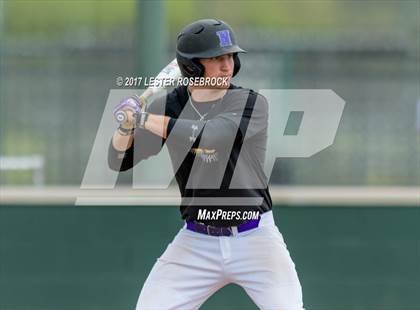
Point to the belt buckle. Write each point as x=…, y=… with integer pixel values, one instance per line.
x=229, y=231
x=213, y=231
x=216, y=231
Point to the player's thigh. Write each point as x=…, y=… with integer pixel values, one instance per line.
x=281, y=297
x=162, y=290
x=172, y=285
x=183, y=277
x=267, y=272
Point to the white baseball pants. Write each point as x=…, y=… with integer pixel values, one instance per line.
x=194, y=266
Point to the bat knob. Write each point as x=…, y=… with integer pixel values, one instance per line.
x=120, y=116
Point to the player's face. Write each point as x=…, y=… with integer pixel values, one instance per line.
x=221, y=66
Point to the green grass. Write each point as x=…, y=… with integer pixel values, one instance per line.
x=23, y=17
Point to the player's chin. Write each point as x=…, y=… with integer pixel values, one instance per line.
x=225, y=82
x=224, y=85
x=219, y=82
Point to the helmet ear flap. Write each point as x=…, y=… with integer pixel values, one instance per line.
x=199, y=68
x=190, y=67
x=236, y=64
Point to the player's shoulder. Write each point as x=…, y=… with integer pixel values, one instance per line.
x=178, y=95
x=239, y=95
x=177, y=98
x=234, y=89
x=171, y=103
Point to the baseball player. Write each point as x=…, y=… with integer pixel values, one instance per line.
x=216, y=136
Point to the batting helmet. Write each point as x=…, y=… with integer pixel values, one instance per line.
x=205, y=38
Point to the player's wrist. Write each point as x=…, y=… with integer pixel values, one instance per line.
x=142, y=118
x=125, y=131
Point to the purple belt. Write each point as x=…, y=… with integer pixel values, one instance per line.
x=221, y=231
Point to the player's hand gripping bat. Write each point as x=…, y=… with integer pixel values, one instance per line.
x=138, y=104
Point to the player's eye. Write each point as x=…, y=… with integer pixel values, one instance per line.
x=226, y=56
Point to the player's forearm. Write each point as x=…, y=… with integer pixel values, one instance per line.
x=122, y=142
x=157, y=124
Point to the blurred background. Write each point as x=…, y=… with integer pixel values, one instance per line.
x=59, y=59
x=58, y=62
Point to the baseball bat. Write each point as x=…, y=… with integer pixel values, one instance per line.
x=169, y=73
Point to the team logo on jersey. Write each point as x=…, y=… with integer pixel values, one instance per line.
x=194, y=133
x=224, y=38
x=206, y=155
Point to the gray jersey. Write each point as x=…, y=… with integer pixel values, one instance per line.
x=217, y=151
